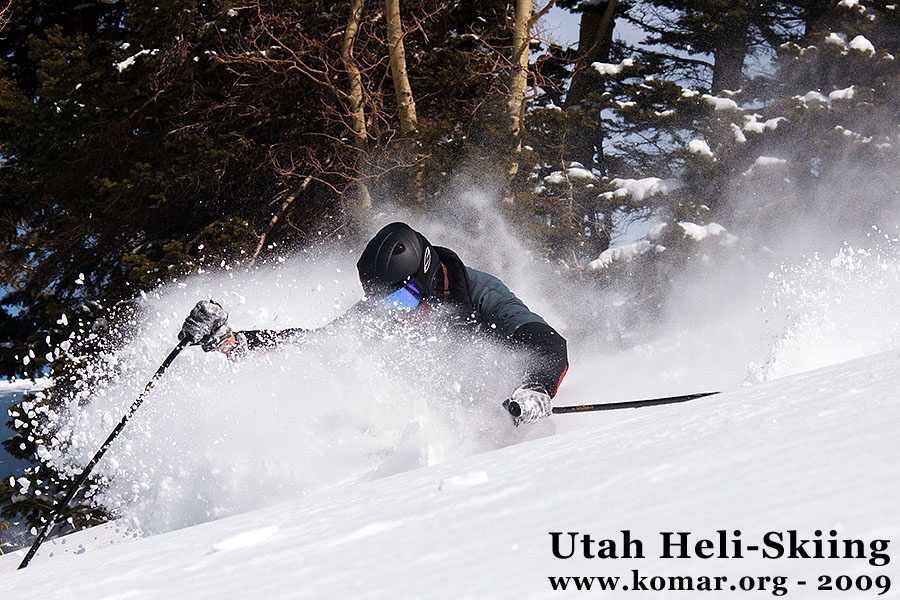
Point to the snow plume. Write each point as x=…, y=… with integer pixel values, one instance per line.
x=828, y=310
x=217, y=437
x=734, y=321
x=807, y=281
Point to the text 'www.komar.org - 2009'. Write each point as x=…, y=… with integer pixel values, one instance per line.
x=724, y=544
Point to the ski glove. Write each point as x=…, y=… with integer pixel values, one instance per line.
x=529, y=403
x=207, y=325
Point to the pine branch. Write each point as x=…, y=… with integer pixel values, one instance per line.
x=678, y=59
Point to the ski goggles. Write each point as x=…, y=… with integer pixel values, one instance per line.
x=405, y=299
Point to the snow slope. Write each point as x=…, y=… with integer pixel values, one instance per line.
x=816, y=450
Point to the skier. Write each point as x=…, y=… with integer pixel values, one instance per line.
x=403, y=274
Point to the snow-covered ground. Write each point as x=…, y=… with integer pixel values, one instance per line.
x=814, y=451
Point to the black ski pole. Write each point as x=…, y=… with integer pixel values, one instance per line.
x=561, y=410
x=82, y=477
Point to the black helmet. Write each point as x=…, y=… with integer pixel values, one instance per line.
x=397, y=254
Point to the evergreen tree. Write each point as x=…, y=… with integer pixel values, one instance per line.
x=812, y=135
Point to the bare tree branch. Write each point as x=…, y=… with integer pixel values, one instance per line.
x=5, y=15
x=537, y=16
x=276, y=216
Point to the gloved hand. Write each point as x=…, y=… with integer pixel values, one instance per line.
x=207, y=325
x=529, y=403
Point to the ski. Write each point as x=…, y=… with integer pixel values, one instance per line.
x=562, y=410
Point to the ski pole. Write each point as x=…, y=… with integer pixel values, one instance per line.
x=561, y=410
x=82, y=477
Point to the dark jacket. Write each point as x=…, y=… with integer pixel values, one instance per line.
x=481, y=300
x=498, y=312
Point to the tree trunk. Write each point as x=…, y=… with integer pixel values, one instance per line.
x=406, y=106
x=355, y=101
x=355, y=96
x=518, y=86
x=730, y=54
x=595, y=36
x=594, y=45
